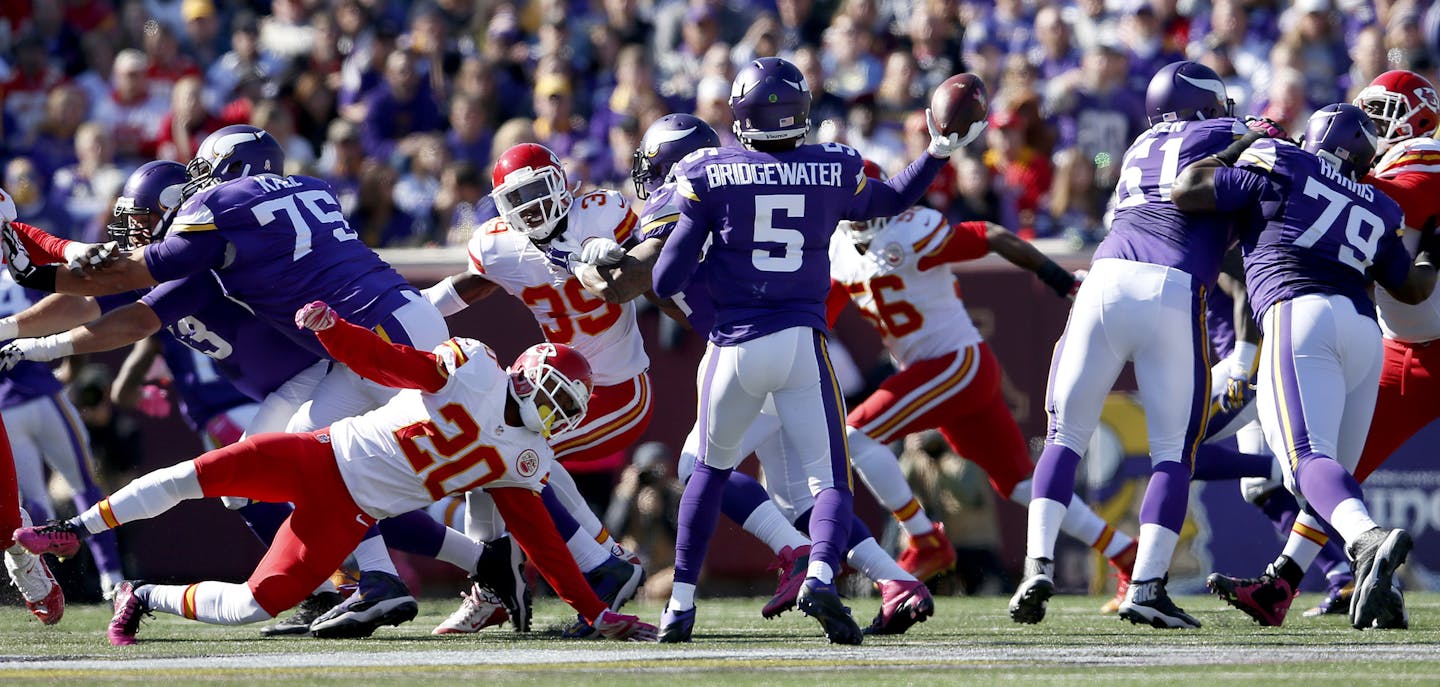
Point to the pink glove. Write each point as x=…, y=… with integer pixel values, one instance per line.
x=612, y=625
x=154, y=401
x=1265, y=126
x=315, y=316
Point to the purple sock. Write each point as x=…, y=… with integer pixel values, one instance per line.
x=1054, y=476
x=743, y=494
x=1325, y=484
x=1167, y=496
x=1214, y=462
x=858, y=531
x=1282, y=509
x=699, y=513
x=264, y=519
x=830, y=526
x=414, y=532
x=565, y=523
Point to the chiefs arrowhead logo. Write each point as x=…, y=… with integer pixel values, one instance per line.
x=528, y=463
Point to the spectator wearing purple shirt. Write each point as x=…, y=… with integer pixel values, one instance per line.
x=470, y=132
x=53, y=146
x=556, y=124
x=1142, y=35
x=341, y=162
x=397, y=109
x=1098, y=120
x=26, y=186
x=1319, y=43
x=1053, y=52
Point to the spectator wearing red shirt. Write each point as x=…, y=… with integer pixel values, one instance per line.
x=1022, y=172
x=131, y=115
x=30, y=81
x=187, y=124
x=167, y=64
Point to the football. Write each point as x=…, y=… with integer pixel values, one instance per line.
x=959, y=102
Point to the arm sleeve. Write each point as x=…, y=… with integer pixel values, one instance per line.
x=181, y=255
x=395, y=365
x=900, y=192
x=965, y=241
x=835, y=302
x=44, y=247
x=535, y=532
x=1392, y=262
x=681, y=253
x=1237, y=189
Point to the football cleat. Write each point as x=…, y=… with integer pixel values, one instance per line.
x=380, y=599
x=1376, y=555
x=928, y=555
x=479, y=610
x=56, y=537
x=38, y=589
x=625, y=628
x=501, y=571
x=1149, y=604
x=790, y=565
x=1124, y=564
x=615, y=582
x=902, y=604
x=1031, y=597
x=313, y=607
x=129, y=609
x=1338, y=592
x=676, y=626
x=1266, y=598
x=821, y=602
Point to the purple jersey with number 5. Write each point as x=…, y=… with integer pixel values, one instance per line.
x=767, y=218
x=277, y=243
x=1306, y=228
x=1146, y=226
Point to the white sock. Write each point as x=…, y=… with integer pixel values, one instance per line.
x=769, y=525
x=482, y=519
x=820, y=571
x=588, y=553
x=1307, y=537
x=217, y=603
x=1157, y=547
x=19, y=562
x=1083, y=524
x=372, y=556
x=569, y=495
x=917, y=524
x=879, y=470
x=1351, y=519
x=146, y=497
x=874, y=563
x=459, y=550
x=682, y=597
x=1044, y=527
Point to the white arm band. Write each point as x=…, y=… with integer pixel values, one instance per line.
x=445, y=298
x=47, y=348
x=9, y=328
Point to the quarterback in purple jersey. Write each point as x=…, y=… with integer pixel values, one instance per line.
x=1143, y=301
x=766, y=213
x=1315, y=238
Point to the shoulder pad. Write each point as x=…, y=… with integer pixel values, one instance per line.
x=1411, y=155
x=918, y=229
x=455, y=353
x=603, y=214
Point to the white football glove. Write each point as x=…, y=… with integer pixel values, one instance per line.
x=612, y=625
x=43, y=349
x=79, y=256
x=7, y=208
x=315, y=316
x=1230, y=385
x=601, y=251
x=943, y=146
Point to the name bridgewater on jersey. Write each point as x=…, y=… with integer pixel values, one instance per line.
x=774, y=174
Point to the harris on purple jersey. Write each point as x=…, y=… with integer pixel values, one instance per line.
x=1306, y=228
x=767, y=218
x=277, y=243
x=1147, y=227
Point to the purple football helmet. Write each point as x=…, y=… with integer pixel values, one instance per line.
x=1186, y=90
x=151, y=191
x=669, y=139
x=235, y=151
x=770, y=101
x=1344, y=136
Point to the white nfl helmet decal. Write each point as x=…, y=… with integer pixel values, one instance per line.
x=171, y=196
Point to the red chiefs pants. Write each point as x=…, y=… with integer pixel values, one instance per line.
x=958, y=394
x=9, y=492
x=325, y=526
x=614, y=420
x=1409, y=399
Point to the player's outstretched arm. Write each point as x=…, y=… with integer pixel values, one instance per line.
x=1025, y=255
x=1419, y=281
x=128, y=273
x=456, y=292
x=394, y=365
x=901, y=191
x=535, y=532
x=117, y=328
x=54, y=313
x=626, y=281
x=679, y=257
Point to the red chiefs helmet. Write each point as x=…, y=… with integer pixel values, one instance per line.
x=530, y=190
x=552, y=384
x=863, y=232
x=1402, y=104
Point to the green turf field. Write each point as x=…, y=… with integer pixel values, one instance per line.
x=970, y=641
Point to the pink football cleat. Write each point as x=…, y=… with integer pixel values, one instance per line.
x=55, y=537
x=791, y=564
x=128, y=611
x=902, y=604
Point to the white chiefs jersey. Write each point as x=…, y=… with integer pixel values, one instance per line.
x=605, y=333
x=1420, y=322
x=419, y=447
x=919, y=312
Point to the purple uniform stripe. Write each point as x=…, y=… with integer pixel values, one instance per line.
x=707, y=378
x=1200, y=393
x=1287, y=395
x=78, y=447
